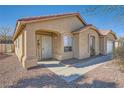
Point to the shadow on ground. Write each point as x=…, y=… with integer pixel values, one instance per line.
x=88, y=61
x=3, y=56
x=39, y=66
x=41, y=81
x=54, y=65
x=78, y=63
x=97, y=84
x=54, y=81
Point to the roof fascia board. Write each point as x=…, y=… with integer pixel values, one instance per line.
x=21, y=22
x=92, y=27
x=59, y=17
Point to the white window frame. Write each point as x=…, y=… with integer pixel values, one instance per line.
x=68, y=44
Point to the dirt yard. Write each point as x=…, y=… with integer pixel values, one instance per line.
x=13, y=75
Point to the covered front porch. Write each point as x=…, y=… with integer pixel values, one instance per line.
x=49, y=45
x=49, y=39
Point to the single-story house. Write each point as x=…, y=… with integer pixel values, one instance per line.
x=119, y=42
x=61, y=37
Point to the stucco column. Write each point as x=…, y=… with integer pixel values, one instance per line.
x=76, y=46
x=105, y=45
x=59, y=43
x=102, y=45
x=29, y=59
x=62, y=45
x=57, y=46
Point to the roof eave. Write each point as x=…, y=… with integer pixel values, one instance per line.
x=20, y=22
x=83, y=29
x=19, y=26
x=48, y=18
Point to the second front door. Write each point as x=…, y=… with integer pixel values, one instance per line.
x=46, y=47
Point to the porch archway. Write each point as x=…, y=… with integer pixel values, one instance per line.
x=48, y=44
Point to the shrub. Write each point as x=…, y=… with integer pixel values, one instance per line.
x=118, y=54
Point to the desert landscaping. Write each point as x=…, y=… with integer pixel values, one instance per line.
x=12, y=74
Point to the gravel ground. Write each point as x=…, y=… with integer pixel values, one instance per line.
x=13, y=75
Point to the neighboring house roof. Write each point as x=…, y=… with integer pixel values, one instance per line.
x=100, y=32
x=85, y=28
x=106, y=32
x=21, y=22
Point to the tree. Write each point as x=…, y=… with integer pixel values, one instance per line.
x=5, y=35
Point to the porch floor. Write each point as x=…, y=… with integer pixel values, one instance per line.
x=71, y=69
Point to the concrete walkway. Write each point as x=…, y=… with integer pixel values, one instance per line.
x=73, y=71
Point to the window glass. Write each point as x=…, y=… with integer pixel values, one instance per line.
x=67, y=43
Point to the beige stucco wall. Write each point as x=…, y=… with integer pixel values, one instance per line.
x=57, y=46
x=102, y=45
x=76, y=46
x=30, y=57
x=103, y=42
x=56, y=43
x=18, y=47
x=111, y=37
x=61, y=25
x=27, y=52
x=84, y=50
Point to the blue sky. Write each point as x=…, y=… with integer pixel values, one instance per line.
x=99, y=18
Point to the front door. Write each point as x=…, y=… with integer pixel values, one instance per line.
x=92, y=46
x=46, y=47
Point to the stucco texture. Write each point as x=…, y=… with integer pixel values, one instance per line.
x=84, y=40
x=28, y=52
x=103, y=42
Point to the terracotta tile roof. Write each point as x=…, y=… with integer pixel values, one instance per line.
x=28, y=19
x=104, y=32
x=49, y=16
x=83, y=28
x=86, y=27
